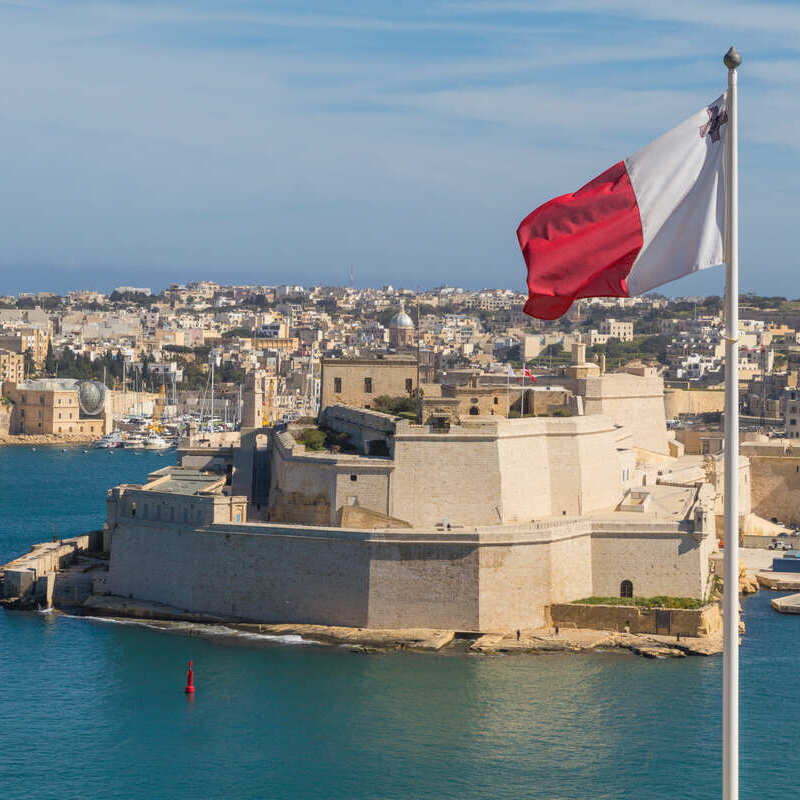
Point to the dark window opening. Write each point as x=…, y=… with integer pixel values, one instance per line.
x=337, y=385
x=354, y=477
x=409, y=385
x=626, y=589
x=368, y=385
x=474, y=411
x=495, y=401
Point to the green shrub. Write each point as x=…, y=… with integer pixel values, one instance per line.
x=394, y=405
x=659, y=601
x=313, y=439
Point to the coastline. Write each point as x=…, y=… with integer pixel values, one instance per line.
x=540, y=641
x=23, y=439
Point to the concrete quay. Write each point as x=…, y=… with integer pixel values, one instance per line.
x=787, y=605
x=51, y=572
x=779, y=581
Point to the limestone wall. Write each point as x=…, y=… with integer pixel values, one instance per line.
x=360, y=381
x=309, y=488
x=344, y=577
x=489, y=471
x=630, y=400
x=775, y=486
x=701, y=401
x=435, y=582
x=653, y=557
x=518, y=582
x=449, y=477
x=501, y=578
x=682, y=621
x=243, y=574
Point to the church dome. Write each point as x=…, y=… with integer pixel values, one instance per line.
x=401, y=320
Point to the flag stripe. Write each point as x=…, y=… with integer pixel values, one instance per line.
x=650, y=219
x=581, y=244
x=679, y=186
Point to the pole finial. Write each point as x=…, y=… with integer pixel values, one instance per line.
x=732, y=59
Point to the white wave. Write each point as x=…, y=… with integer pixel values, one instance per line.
x=200, y=629
x=287, y=638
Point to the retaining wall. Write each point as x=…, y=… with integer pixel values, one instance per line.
x=682, y=621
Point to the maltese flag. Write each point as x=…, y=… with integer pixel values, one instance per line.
x=650, y=219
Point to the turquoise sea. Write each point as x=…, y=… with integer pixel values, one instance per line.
x=92, y=709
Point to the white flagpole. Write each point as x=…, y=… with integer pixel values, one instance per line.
x=730, y=679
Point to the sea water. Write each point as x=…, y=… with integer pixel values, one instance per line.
x=95, y=709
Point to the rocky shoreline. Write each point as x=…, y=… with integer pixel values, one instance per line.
x=31, y=439
x=367, y=640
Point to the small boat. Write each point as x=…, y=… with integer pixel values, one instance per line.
x=109, y=441
x=155, y=442
x=150, y=442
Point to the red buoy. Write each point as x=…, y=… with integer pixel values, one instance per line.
x=189, y=680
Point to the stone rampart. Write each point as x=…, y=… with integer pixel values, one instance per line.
x=634, y=619
x=694, y=401
x=775, y=481
x=631, y=400
x=493, y=578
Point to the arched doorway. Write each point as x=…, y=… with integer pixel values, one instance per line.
x=626, y=589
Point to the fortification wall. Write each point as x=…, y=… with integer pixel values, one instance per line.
x=477, y=581
x=526, y=469
x=701, y=401
x=435, y=584
x=309, y=489
x=630, y=400
x=450, y=477
x=518, y=582
x=652, y=557
x=681, y=621
x=775, y=486
x=247, y=575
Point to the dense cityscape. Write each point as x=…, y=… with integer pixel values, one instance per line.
x=138, y=340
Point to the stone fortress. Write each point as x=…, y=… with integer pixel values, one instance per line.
x=470, y=522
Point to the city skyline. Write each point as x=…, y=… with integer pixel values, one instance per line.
x=149, y=144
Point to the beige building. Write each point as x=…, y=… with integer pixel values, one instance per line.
x=615, y=329
x=480, y=397
x=12, y=366
x=26, y=340
x=52, y=406
x=357, y=382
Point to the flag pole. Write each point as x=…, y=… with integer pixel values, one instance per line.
x=730, y=603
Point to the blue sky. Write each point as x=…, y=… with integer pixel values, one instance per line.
x=146, y=143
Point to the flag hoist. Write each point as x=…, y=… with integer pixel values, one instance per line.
x=668, y=210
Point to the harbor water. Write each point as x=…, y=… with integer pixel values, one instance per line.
x=95, y=709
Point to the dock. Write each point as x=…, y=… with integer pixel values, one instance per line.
x=779, y=581
x=787, y=605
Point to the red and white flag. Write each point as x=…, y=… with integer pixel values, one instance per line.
x=650, y=219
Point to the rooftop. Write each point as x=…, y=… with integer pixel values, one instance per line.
x=182, y=480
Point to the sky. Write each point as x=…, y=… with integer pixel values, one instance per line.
x=144, y=143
